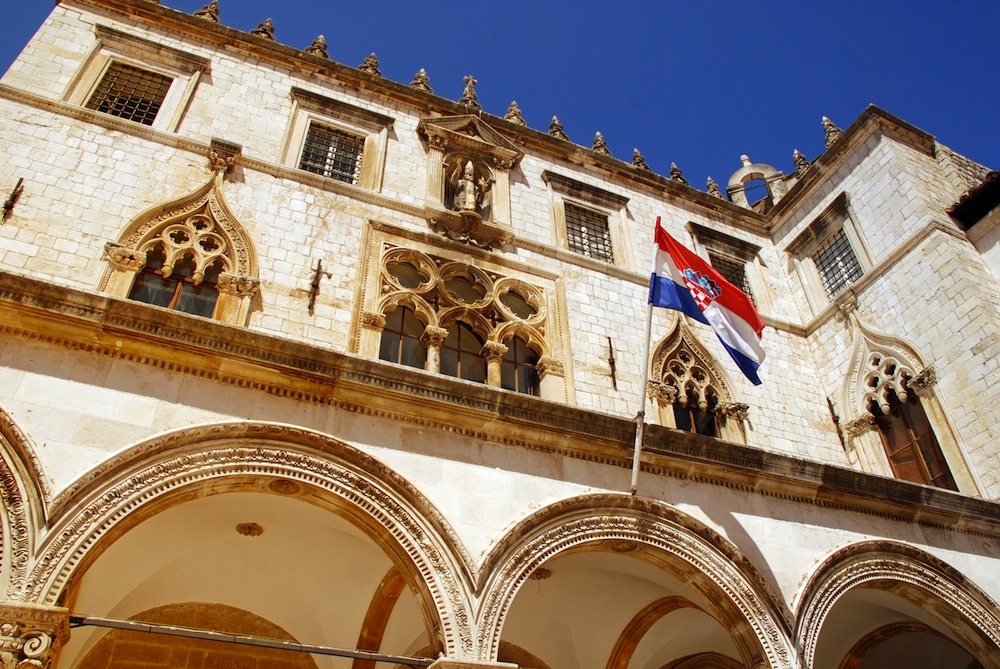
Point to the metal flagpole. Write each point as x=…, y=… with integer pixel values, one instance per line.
x=640, y=417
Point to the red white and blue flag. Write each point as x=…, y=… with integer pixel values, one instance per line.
x=684, y=281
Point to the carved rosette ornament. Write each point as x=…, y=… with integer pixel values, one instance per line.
x=373, y=321
x=833, y=133
x=370, y=65
x=859, y=426
x=124, y=259
x=318, y=48
x=556, y=129
x=30, y=635
x=513, y=115
x=422, y=82
x=209, y=12
x=922, y=383
x=240, y=286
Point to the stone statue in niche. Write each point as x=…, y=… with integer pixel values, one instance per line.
x=469, y=191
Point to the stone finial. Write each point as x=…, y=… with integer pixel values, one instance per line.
x=421, y=81
x=469, y=97
x=833, y=133
x=209, y=12
x=556, y=129
x=639, y=161
x=713, y=189
x=318, y=48
x=370, y=65
x=600, y=146
x=264, y=29
x=801, y=163
x=677, y=175
x=514, y=114
x=745, y=159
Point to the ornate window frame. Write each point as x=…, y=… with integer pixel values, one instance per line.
x=865, y=383
x=237, y=285
x=115, y=46
x=373, y=128
x=837, y=217
x=563, y=191
x=703, y=376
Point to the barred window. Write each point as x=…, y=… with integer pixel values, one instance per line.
x=734, y=271
x=332, y=153
x=130, y=93
x=587, y=233
x=837, y=263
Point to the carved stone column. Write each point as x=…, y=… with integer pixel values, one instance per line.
x=125, y=264
x=494, y=352
x=433, y=337
x=235, y=293
x=552, y=378
x=435, y=170
x=30, y=635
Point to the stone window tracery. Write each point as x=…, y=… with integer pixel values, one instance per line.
x=459, y=320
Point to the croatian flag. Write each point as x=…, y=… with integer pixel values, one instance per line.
x=684, y=281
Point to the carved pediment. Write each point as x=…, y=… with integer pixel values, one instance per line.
x=470, y=134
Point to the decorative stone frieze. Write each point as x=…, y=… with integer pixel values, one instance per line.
x=124, y=259
x=31, y=635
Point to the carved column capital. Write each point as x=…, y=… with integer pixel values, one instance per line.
x=549, y=365
x=734, y=410
x=859, y=426
x=494, y=351
x=123, y=258
x=223, y=155
x=373, y=321
x=434, y=336
x=30, y=635
x=922, y=383
x=240, y=286
x=661, y=392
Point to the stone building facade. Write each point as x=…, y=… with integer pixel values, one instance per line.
x=312, y=360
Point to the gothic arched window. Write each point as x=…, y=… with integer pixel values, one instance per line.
x=518, y=371
x=185, y=286
x=461, y=354
x=401, y=339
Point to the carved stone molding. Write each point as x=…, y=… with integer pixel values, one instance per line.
x=880, y=365
x=224, y=155
x=434, y=336
x=494, y=351
x=743, y=601
x=472, y=135
x=240, y=286
x=31, y=635
x=734, y=410
x=909, y=573
x=549, y=365
x=664, y=394
x=468, y=227
x=373, y=321
x=922, y=383
x=218, y=454
x=123, y=258
x=859, y=426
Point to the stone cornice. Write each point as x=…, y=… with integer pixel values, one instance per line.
x=103, y=325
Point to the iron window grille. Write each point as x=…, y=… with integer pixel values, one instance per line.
x=587, y=233
x=837, y=263
x=733, y=271
x=130, y=93
x=332, y=153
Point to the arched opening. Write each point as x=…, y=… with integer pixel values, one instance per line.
x=401, y=335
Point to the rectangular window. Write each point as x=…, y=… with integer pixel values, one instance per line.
x=837, y=263
x=734, y=271
x=332, y=153
x=130, y=93
x=587, y=232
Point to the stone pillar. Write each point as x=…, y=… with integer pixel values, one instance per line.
x=494, y=352
x=435, y=170
x=235, y=293
x=372, y=325
x=551, y=378
x=433, y=338
x=448, y=663
x=31, y=635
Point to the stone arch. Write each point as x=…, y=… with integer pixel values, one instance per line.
x=741, y=595
x=24, y=494
x=424, y=311
x=903, y=570
x=529, y=334
x=98, y=507
x=755, y=172
x=213, y=235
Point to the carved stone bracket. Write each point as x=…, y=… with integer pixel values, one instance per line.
x=735, y=410
x=922, y=383
x=469, y=228
x=373, y=321
x=663, y=393
x=224, y=155
x=549, y=365
x=240, y=286
x=30, y=635
x=859, y=426
x=124, y=259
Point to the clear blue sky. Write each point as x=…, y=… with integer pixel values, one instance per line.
x=697, y=83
